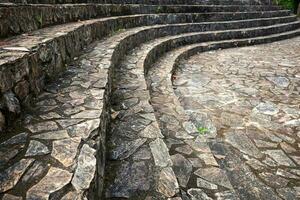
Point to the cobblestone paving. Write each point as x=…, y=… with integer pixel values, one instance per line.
x=58, y=139
x=248, y=99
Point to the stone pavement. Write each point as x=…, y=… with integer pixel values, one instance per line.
x=248, y=100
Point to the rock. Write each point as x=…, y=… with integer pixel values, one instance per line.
x=196, y=162
x=87, y=114
x=84, y=129
x=208, y=159
x=36, y=148
x=198, y=145
x=126, y=149
x=65, y=150
x=54, y=180
x=205, y=184
x=197, y=194
x=86, y=168
x=53, y=135
x=43, y=126
x=2, y=121
x=185, y=149
x=273, y=180
x=288, y=193
x=160, y=153
x=214, y=175
x=241, y=141
x=267, y=108
x=279, y=81
x=130, y=178
x=287, y=148
x=17, y=139
x=265, y=144
x=227, y=195
x=11, y=197
x=189, y=127
x=286, y=174
x=142, y=154
x=151, y=131
x=12, y=103
x=256, y=164
x=167, y=184
x=22, y=89
x=10, y=177
x=182, y=168
x=280, y=157
x=74, y=195
x=34, y=172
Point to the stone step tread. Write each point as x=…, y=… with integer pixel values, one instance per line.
x=165, y=101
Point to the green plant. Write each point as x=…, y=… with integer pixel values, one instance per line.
x=39, y=19
x=287, y=4
x=202, y=130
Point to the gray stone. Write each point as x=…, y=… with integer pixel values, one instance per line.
x=273, y=180
x=87, y=114
x=160, y=153
x=286, y=174
x=265, y=144
x=126, y=149
x=43, y=126
x=36, y=148
x=64, y=123
x=185, y=149
x=214, y=175
x=86, y=168
x=167, y=184
x=201, y=183
x=34, y=172
x=130, y=178
x=208, y=159
x=240, y=141
x=17, y=139
x=12, y=103
x=142, y=154
x=189, y=127
x=280, y=157
x=279, y=81
x=11, y=197
x=84, y=129
x=197, y=194
x=65, y=150
x=288, y=193
x=151, y=131
x=10, y=177
x=53, y=135
x=267, y=108
x=54, y=180
x=2, y=121
x=182, y=168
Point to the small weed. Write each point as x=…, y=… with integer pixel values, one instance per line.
x=202, y=130
x=40, y=20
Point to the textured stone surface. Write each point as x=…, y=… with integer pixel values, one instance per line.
x=10, y=177
x=46, y=186
x=86, y=167
x=36, y=148
x=167, y=184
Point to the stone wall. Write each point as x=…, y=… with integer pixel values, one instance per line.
x=144, y=1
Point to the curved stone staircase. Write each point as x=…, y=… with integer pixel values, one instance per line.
x=88, y=105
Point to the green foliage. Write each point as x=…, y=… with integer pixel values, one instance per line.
x=287, y=4
x=202, y=130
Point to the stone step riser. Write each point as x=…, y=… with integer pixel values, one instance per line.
x=168, y=45
x=37, y=17
x=160, y=2
x=232, y=44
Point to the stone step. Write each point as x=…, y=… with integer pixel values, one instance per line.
x=21, y=56
x=128, y=87
x=155, y=2
x=21, y=19
x=62, y=133
x=207, y=172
